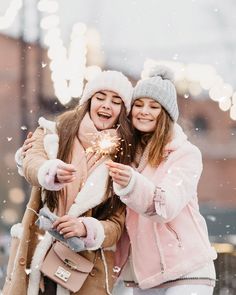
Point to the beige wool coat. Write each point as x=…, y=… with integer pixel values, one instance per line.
x=26, y=236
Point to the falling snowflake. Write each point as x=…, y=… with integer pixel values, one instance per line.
x=9, y=138
x=211, y=218
x=186, y=95
x=116, y=269
x=23, y=127
x=43, y=65
x=27, y=271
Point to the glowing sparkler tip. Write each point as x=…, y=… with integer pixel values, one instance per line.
x=104, y=144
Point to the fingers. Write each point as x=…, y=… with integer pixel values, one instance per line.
x=111, y=164
x=67, y=167
x=28, y=143
x=29, y=135
x=65, y=176
x=120, y=177
x=62, y=219
x=69, y=227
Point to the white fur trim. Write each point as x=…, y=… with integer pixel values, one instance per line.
x=62, y=291
x=95, y=232
x=92, y=193
x=109, y=80
x=17, y=231
x=51, y=144
x=19, y=161
x=46, y=124
x=47, y=173
x=126, y=190
x=39, y=254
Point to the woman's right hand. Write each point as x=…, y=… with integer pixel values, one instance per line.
x=65, y=173
x=28, y=143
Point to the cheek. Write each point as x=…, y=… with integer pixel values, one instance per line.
x=92, y=107
x=133, y=113
x=157, y=114
x=116, y=112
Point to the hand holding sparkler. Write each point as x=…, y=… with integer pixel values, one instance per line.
x=120, y=173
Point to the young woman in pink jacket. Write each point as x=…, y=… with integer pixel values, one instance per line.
x=167, y=250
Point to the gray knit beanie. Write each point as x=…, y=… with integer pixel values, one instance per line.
x=160, y=87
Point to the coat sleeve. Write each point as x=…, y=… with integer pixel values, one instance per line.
x=164, y=199
x=113, y=228
x=103, y=233
x=37, y=168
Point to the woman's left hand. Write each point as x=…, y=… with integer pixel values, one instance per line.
x=120, y=173
x=70, y=227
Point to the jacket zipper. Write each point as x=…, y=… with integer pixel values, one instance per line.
x=162, y=266
x=175, y=234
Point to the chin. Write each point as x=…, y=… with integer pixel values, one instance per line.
x=144, y=129
x=103, y=126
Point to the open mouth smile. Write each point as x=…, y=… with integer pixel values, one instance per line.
x=103, y=115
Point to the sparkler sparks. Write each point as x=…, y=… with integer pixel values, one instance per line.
x=104, y=144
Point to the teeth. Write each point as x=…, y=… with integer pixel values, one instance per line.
x=104, y=115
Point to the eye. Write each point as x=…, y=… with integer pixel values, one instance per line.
x=99, y=98
x=116, y=102
x=138, y=104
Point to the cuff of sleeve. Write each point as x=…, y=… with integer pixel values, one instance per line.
x=95, y=233
x=47, y=173
x=19, y=161
x=121, y=192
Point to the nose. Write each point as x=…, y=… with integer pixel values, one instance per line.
x=106, y=104
x=144, y=110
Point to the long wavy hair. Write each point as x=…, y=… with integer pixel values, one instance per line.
x=157, y=140
x=68, y=125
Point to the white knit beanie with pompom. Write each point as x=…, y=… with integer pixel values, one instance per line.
x=109, y=80
x=160, y=87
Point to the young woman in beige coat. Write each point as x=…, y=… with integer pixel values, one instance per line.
x=67, y=170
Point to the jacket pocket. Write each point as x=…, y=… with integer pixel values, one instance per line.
x=174, y=233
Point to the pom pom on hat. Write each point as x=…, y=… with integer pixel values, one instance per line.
x=164, y=72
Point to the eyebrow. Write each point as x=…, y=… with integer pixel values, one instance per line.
x=114, y=96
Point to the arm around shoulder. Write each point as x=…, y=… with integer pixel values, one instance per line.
x=37, y=168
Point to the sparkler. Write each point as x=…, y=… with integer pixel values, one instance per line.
x=104, y=144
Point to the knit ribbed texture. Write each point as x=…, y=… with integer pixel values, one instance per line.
x=113, y=81
x=161, y=89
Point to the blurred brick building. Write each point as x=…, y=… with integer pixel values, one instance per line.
x=28, y=80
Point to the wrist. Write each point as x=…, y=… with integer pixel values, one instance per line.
x=83, y=231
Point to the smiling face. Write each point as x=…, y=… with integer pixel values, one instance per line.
x=105, y=109
x=145, y=112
